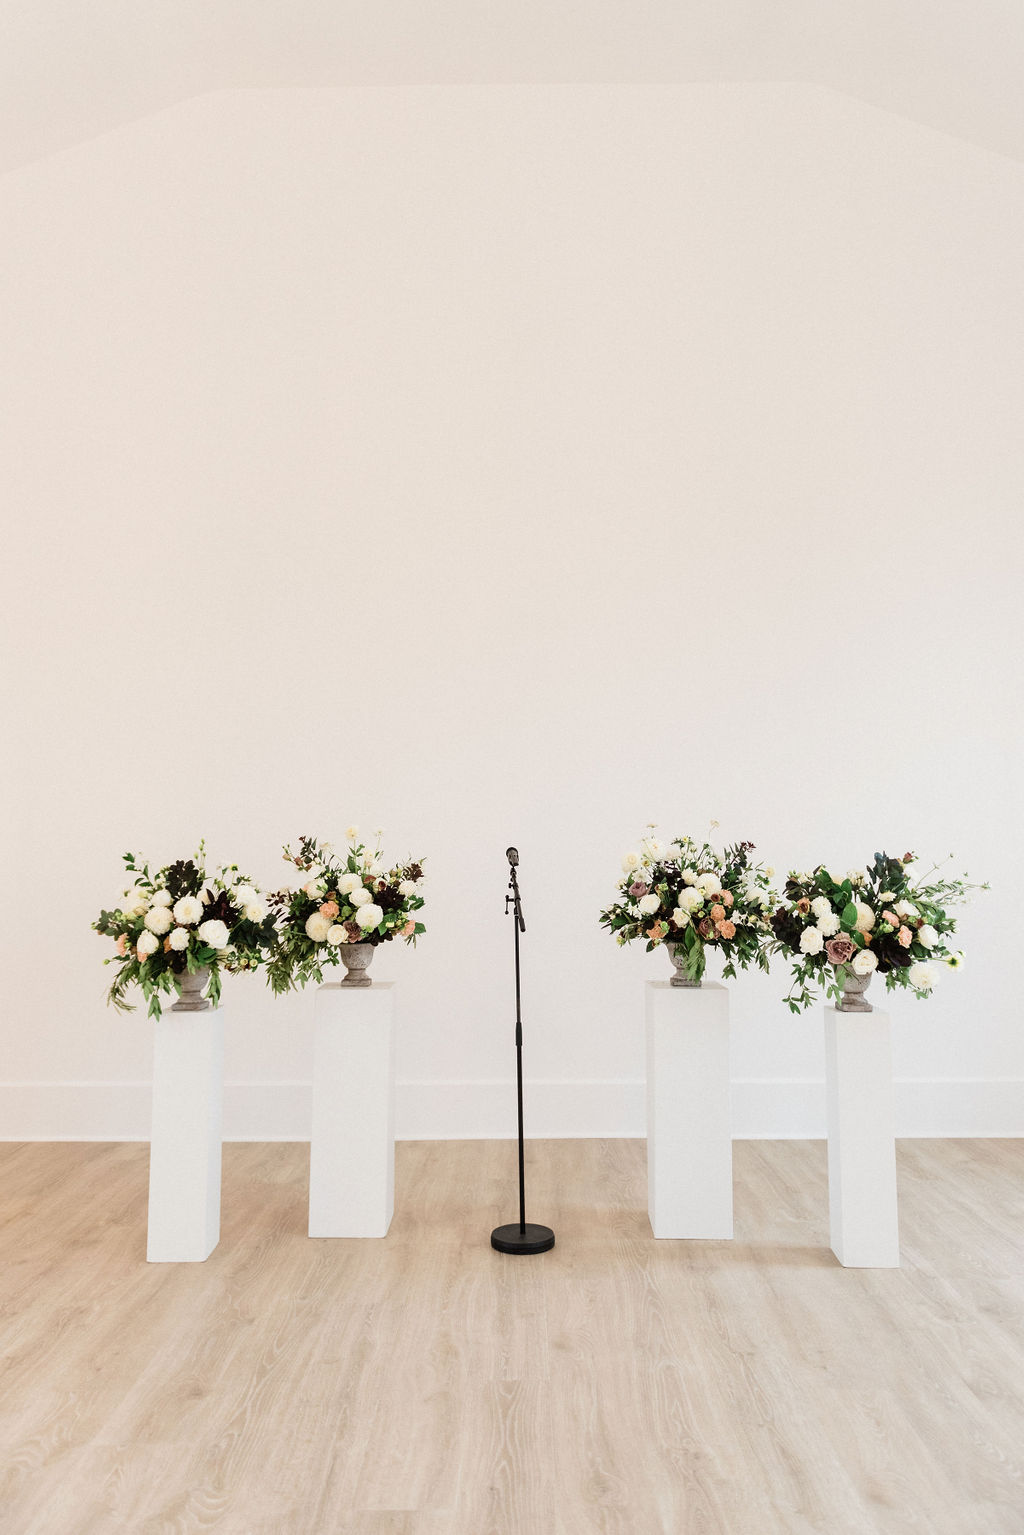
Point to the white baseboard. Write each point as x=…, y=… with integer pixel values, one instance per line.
x=767, y=1109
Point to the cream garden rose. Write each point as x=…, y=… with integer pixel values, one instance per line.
x=317, y=926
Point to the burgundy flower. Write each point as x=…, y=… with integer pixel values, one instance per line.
x=840, y=950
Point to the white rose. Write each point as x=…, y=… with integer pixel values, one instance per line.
x=821, y=905
x=689, y=876
x=828, y=924
x=921, y=975
x=811, y=941
x=179, y=938
x=347, y=883
x=148, y=944
x=865, y=918
x=317, y=926
x=709, y=883
x=630, y=862
x=312, y=889
x=254, y=911
x=244, y=895
x=927, y=935
x=864, y=962
x=136, y=902
x=680, y=916
x=648, y=904
x=407, y=888
x=905, y=909
x=360, y=896
x=188, y=910
x=689, y=899
x=369, y=916
x=161, y=898
x=159, y=920
x=335, y=934
x=214, y=932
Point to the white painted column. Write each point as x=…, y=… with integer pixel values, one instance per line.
x=352, y=1148
x=689, y=1129
x=185, y=1144
x=863, y=1220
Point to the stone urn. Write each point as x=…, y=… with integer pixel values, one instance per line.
x=853, y=999
x=357, y=957
x=677, y=954
x=190, y=984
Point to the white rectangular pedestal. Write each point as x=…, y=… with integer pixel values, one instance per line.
x=352, y=1148
x=185, y=1145
x=863, y=1221
x=689, y=1130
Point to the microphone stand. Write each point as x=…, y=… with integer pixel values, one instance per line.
x=519, y=1237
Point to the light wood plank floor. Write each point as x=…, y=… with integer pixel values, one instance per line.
x=425, y=1385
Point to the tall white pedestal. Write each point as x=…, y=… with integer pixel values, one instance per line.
x=185, y=1144
x=863, y=1221
x=689, y=1130
x=352, y=1149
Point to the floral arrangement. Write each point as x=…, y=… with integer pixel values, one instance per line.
x=690, y=895
x=881, y=918
x=182, y=918
x=348, y=898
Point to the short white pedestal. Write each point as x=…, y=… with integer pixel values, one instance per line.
x=184, y=1150
x=352, y=1149
x=863, y=1221
x=689, y=1130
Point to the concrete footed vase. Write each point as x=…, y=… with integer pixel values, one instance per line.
x=677, y=954
x=357, y=957
x=853, y=999
x=191, y=984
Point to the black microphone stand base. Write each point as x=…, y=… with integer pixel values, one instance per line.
x=522, y=1239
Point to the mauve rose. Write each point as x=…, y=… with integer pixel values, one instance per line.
x=705, y=927
x=638, y=888
x=354, y=931
x=840, y=950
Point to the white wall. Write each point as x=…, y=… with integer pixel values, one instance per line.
x=495, y=465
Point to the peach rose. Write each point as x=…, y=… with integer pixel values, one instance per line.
x=891, y=918
x=726, y=929
x=726, y=897
x=905, y=937
x=329, y=909
x=658, y=930
x=409, y=928
x=717, y=914
x=122, y=944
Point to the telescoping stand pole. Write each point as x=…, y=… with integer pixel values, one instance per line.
x=519, y=1237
